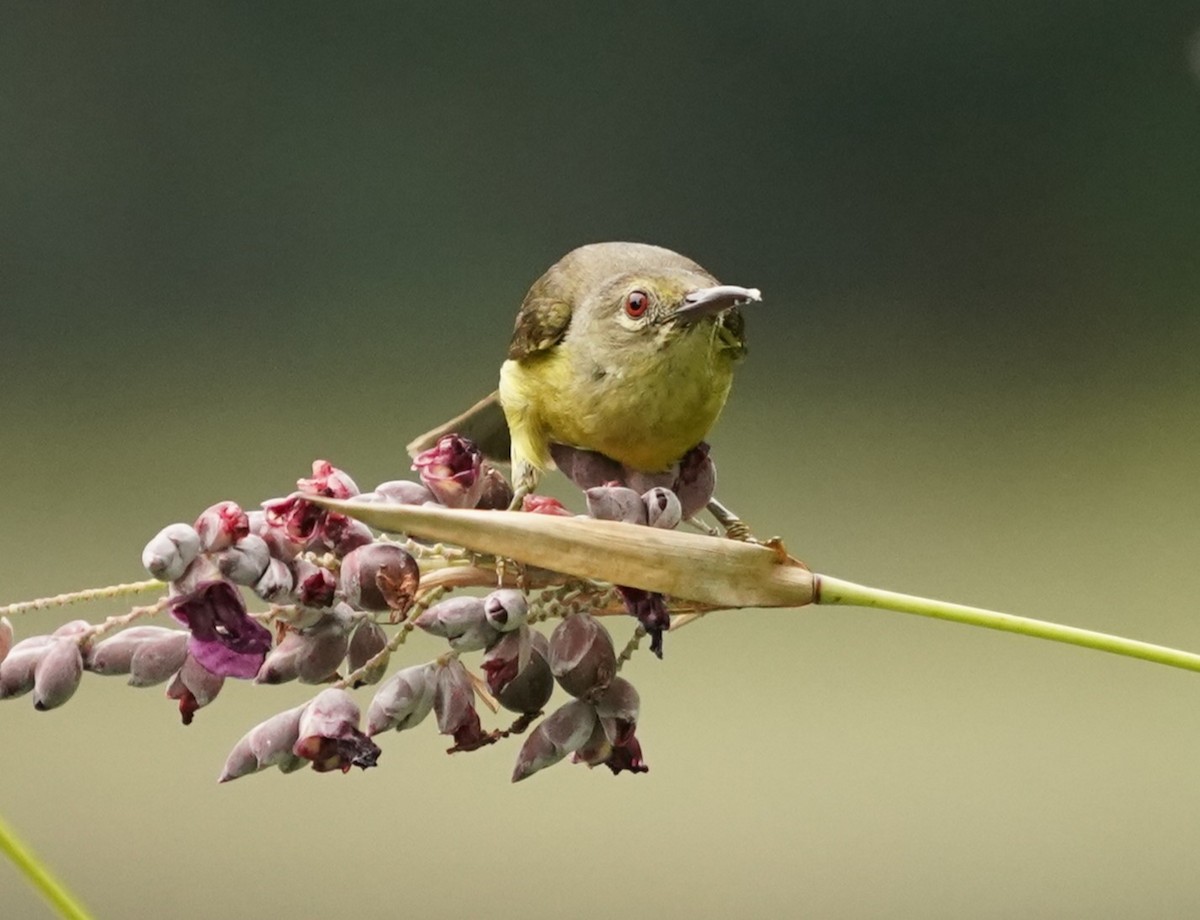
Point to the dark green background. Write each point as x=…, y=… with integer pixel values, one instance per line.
x=235, y=239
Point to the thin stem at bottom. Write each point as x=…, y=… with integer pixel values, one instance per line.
x=39, y=876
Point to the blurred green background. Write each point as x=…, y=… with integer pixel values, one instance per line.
x=234, y=239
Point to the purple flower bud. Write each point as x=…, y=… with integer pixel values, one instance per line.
x=616, y=503
x=562, y=732
x=282, y=663
x=245, y=562
x=454, y=704
x=403, y=492
x=506, y=609
x=453, y=471
x=16, y=670
x=650, y=609
x=268, y=744
x=586, y=468
x=170, y=551
x=378, y=577
x=57, y=674
x=497, y=493
x=329, y=735
x=619, y=701
x=314, y=584
x=614, y=742
x=194, y=687
x=367, y=641
x=343, y=534
x=697, y=480
x=276, y=582
x=221, y=525
x=582, y=657
x=115, y=654
x=642, y=482
x=225, y=639
x=663, y=508
x=6, y=638
x=518, y=671
x=404, y=700
x=462, y=620
x=311, y=655
x=328, y=480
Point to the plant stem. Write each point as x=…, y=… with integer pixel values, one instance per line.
x=835, y=591
x=40, y=876
x=88, y=594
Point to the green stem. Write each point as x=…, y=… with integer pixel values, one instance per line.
x=40, y=876
x=835, y=591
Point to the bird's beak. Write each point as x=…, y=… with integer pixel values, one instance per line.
x=712, y=300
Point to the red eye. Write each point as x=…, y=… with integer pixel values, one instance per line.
x=637, y=303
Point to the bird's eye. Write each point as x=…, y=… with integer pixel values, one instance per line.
x=637, y=303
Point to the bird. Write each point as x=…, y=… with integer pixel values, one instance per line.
x=624, y=349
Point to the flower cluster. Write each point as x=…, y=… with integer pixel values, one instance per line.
x=332, y=587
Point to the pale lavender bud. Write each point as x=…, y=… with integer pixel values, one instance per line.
x=453, y=471
x=403, y=492
x=194, y=687
x=616, y=503
x=276, y=582
x=201, y=571
x=314, y=585
x=462, y=620
x=268, y=744
x=171, y=551
x=586, y=468
x=16, y=670
x=221, y=525
x=562, y=732
x=663, y=508
x=6, y=638
x=114, y=655
x=367, y=641
x=329, y=735
x=378, y=577
x=325, y=647
x=246, y=561
x=155, y=660
x=404, y=700
x=72, y=628
x=697, y=480
x=506, y=609
x=328, y=480
x=280, y=545
x=582, y=657
x=282, y=663
x=57, y=674
x=497, y=492
x=454, y=704
x=518, y=672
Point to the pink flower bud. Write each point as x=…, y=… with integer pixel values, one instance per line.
x=562, y=732
x=616, y=503
x=221, y=525
x=506, y=609
x=378, y=577
x=454, y=704
x=16, y=670
x=663, y=508
x=329, y=735
x=314, y=584
x=453, y=471
x=367, y=641
x=268, y=744
x=328, y=480
x=697, y=480
x=276, y=582
x=586, y=468
x=245, y=562
x=57, y=674
x=403, y=492
x=170, y=551
x=462, y=620
x=582, y=657
x=6, y=638
x=404, y=700
x=194, y=687
x=280, y=545
x=518, y=672
x=544, y=504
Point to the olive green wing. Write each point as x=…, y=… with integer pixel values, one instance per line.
x=483, y=423
x=540, y=325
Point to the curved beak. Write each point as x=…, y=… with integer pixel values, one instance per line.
x=712, y=300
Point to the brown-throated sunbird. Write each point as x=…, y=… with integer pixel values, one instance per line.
x=624, y=349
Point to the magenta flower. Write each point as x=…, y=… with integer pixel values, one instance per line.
x=453, y=471
x=225, y=640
